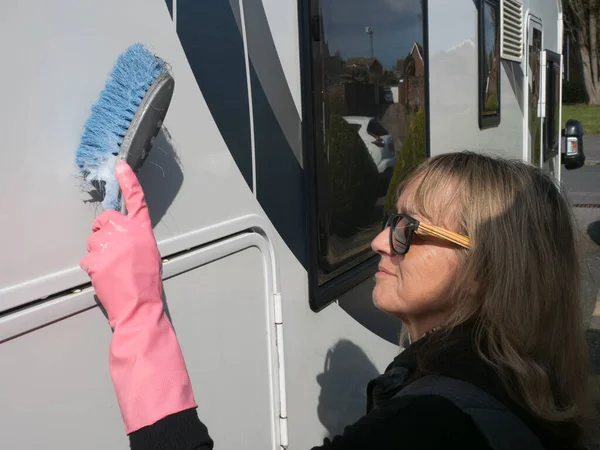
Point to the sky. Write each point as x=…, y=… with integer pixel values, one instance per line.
x=396, y=24
x=490, y=32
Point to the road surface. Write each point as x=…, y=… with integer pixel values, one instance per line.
x=583, y=189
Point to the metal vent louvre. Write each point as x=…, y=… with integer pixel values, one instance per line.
x=511, y=30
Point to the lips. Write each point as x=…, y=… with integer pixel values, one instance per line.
x=385, y=271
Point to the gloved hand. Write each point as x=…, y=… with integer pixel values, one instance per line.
x=145, y=360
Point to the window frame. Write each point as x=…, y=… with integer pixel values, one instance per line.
x=551, y=58
x=488, y=121
x=321, y=296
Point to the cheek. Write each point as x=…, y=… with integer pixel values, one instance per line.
x=433, y=262
x=425, y=276
x=421, y=287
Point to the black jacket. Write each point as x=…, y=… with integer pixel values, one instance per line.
x=409, y=422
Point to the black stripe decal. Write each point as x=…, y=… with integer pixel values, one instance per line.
x=214, y=47
x=211, y=38
x=279, y=177
x=265, y=61
x=280, y=184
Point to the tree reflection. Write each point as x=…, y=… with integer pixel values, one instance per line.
x=370, y=120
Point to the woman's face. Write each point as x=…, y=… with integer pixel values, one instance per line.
x=414, y=286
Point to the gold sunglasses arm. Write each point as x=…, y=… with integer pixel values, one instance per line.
x=451, y=236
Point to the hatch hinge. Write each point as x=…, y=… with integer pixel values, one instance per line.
x=278, y=313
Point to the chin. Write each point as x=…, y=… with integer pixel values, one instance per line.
x=375, y=302
x=387, y=303
x=381, y=296
x=380, y=302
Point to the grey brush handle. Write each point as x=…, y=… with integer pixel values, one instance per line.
x=145, y=125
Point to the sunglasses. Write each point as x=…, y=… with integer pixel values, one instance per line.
x=402, y=227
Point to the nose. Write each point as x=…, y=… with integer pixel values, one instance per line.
x=381, y=243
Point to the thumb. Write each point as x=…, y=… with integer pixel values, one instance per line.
x=133, y=195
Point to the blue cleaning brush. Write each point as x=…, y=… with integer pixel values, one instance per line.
x=125, y=121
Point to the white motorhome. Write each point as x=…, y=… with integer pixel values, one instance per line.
x=266, y=257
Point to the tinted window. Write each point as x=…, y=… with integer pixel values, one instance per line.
x=535, y=52
x=489, y=48
x=555, y=126
x=552, y=124
x=368, y=63
x=355, y=127
x=375, y=128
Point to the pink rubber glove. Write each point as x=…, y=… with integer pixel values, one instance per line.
x=146, y=363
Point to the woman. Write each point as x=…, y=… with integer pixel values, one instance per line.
x=479, y=264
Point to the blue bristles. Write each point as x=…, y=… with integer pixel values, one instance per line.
x=133, y=74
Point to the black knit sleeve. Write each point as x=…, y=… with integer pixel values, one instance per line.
x=180, y=431
x=416, y=423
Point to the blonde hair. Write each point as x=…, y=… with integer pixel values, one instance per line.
x=519, y=282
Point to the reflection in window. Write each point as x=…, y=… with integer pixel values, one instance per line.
x=369, y=94
x=535, y=54
x=489, y=43
x=552, y=124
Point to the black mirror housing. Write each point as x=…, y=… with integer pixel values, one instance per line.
x=573, y=156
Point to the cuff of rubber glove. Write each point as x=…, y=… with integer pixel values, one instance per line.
x=148, y=372
x=166, y=394
x=181, y=430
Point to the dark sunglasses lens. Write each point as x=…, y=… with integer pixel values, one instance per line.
x=400, y=232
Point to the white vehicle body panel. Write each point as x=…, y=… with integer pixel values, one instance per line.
x=225, y=188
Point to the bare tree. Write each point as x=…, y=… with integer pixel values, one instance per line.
x=581, y=19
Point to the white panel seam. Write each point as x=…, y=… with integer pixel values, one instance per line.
x=250, y=105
